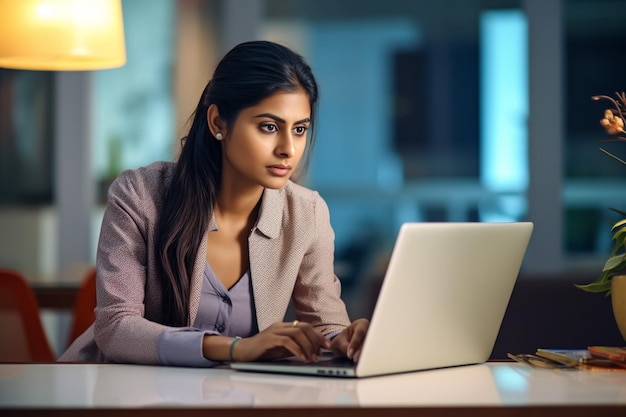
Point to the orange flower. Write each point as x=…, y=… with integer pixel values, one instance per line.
x=612, y=123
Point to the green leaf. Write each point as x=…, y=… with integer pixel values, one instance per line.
x=596, y=287
x=614, y=262
x=620, y=239
x=619, y=224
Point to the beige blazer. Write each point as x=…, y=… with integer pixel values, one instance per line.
x=291, y=258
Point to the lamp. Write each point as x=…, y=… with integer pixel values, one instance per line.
x=61, y=35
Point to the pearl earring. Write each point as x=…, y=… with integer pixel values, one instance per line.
x=219, y=136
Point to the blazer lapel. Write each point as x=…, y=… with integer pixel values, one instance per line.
x=270, y=297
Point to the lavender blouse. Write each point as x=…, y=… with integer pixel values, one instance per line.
x=221, y=312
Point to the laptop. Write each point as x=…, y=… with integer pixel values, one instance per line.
x=441, y=303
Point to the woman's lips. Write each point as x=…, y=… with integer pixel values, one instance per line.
x=279, y=170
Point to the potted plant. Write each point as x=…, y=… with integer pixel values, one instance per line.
x=612, y=280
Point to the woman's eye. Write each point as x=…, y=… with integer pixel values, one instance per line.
x=300, y=130
x=269, y=128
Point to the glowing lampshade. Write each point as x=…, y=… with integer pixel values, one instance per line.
x=61, y=35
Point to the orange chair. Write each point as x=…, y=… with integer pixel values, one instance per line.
x=83, y=315
x=23, y=337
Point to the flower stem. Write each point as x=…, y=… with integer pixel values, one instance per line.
x=613, y=156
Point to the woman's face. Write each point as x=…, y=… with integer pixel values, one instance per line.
x=267, y=141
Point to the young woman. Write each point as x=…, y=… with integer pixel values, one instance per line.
x=198, y=260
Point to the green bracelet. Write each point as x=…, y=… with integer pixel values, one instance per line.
x=232, y=345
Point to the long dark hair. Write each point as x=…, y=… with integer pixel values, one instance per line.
x=249, y=73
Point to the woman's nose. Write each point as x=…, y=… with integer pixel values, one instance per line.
x=285, y=147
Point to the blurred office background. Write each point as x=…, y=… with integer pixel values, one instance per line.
x=451, y=110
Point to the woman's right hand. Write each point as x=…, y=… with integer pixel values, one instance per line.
x=281, y=340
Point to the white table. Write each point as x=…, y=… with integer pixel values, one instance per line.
x=485, y=389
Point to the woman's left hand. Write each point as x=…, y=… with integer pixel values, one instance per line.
x=350, y=341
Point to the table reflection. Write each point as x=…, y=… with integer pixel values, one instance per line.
x=133, y=386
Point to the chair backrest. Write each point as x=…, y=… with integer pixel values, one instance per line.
x=23, y=336
x=83, y=313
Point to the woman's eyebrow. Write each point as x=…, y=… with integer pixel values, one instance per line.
x=281, y=120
